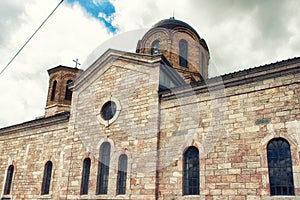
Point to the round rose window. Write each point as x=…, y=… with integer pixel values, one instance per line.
x=108, y=110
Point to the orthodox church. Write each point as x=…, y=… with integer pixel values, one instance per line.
x=153, y=125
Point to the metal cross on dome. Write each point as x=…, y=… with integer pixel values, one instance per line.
x=76, y=62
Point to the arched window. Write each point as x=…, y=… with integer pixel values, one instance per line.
x=68, y=94
x=183, y=53
x=85, y=176
x=122, y=174
x=155, y=47
x=103, y=168
x=191, y=171
x=9, y=177
x=53, y=90
x=47, y=178
x=280, y=167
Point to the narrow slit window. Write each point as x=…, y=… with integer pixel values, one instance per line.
x=85, y=176
x=68, y=94
x=47, y=178
x=202, y=63
x=53, y=91
x=122, y=174
x=191, y=182
x=103, y=168
x=183, y=53
x=9, y=177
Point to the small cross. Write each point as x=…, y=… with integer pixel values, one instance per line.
x=77, y=63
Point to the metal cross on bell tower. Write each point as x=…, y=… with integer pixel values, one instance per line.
x=76, y=62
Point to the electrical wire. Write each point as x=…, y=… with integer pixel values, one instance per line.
x=12, y=59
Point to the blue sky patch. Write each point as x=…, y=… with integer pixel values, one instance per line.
x=102, y=10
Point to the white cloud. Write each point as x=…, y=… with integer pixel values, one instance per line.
x=11, y=18
x=109, y=19
x=69, y=34
x=240, y=34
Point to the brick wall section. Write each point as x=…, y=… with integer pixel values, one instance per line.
x=231, y=126
x=28, y=147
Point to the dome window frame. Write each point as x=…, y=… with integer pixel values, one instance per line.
x=183, y=53
x=155, y=47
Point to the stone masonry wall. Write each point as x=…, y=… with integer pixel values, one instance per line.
x=231, y=122
x=231, y=126
x=134, y=132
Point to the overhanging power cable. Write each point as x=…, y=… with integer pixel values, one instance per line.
x=11, y=60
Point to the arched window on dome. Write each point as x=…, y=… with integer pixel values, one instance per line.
x=103, y=168
x=8, y=181
x=155, y=47
x=280, y=167
x=202, y=62
x=53, y=90
x=190, y=181
x=68, y=94
x=183, y=53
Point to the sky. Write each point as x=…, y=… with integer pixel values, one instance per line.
x=240, y=34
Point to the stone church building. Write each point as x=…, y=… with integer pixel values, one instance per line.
x=153, y=125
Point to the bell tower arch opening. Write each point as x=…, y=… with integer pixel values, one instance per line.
x=53, y=90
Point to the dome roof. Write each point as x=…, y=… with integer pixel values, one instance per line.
x=173, y=23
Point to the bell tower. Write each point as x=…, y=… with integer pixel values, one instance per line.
x=59, y=92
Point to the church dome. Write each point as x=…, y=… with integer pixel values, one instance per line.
x=172, y=23
x=180, y=44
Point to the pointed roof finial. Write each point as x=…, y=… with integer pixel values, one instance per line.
x=76, y=63
x=172, y=16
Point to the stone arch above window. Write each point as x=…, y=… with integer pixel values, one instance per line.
x=280, y=167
